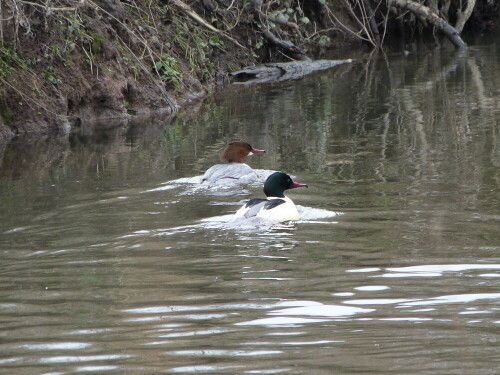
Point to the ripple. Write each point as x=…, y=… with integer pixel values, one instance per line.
x=456, y=298
x=83, y=358
x=444, y=268
x=95, y=368
x=10, y=360
x=406, y=319
x=57, y=346
x=280, y=321
x=270, y=371
x=379, y=301
x=161, y=188
x=332, y=311
x=372, y=288
x=230, y=353
x=343, y=294
x=180, y=308
x=433, y=270
x=372, y=269
x=489, y=275
x=307, y=309
x=202, y=368
x=411, y=274
x=195, y=333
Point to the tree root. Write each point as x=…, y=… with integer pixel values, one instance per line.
x=283, y=44
x=427, y=14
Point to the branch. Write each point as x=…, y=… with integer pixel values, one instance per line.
x=462, y=17
x=187, y=9
x=424, y=12
x=50, y=9
x=284, y=44
x=372, y=22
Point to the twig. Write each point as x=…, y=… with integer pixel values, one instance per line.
x=187, y=9
x=28, y=99
x=323, y=31
x=47, y=8
x=344, y=27
x=1, y=24
x=370, y=14
x=230, y=5
x=386, y=18
x=151, y=15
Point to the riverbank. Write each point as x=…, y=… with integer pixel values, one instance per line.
x=103, y=59
x=66, y=62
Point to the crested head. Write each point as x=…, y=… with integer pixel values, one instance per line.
x=278, y=182
x=236, y=151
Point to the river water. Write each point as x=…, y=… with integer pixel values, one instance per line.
x=110, y=265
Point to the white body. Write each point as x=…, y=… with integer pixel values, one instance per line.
x=229, y=173
x=283, y=212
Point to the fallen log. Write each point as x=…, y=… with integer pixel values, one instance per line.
x=277, y=72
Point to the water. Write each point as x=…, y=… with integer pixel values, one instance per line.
x=108, y=268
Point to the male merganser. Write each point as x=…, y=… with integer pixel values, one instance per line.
x=276, y=207
x=235, y=170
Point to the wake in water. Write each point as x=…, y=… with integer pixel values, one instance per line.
x=307, y=215
x=228, y=222
x=195, y=185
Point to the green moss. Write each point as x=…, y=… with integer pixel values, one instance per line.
x=50, y=77
x=96, y=43
x=5, y=113
x=6, y=60
x=168, y=69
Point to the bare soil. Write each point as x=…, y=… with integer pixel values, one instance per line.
x=64, y=62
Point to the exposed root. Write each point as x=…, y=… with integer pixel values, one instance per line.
x=283, y=44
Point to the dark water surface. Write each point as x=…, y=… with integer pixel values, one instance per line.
x=100, y=275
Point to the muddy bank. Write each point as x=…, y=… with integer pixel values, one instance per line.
x=64, y=62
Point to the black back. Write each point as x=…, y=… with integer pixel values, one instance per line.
x=254, y=201
x=271, y=203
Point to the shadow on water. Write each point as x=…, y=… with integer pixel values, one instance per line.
x=110, y=267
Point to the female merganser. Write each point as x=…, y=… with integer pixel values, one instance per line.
x=276, y=207
x=235, y=170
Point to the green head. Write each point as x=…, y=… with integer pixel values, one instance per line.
x=277, y=183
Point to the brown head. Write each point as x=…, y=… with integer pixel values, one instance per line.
x=235, y=152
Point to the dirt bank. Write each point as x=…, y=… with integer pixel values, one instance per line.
x=67, y=61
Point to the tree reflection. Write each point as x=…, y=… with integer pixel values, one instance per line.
x=386, y=118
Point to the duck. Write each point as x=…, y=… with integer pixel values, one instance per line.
x=276, y=206
x=234, y=170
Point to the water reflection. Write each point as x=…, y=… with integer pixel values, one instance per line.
x=110, y=266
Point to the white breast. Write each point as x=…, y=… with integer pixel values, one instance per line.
x=283, y=212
